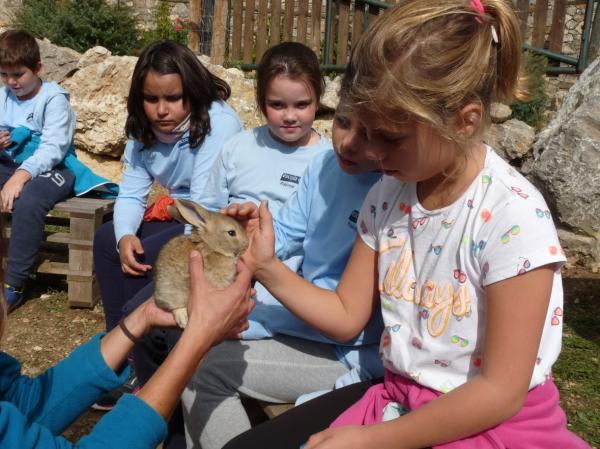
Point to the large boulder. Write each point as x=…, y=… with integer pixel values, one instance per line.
x=242, y=98
x=566, y=166
x=99, y=97
x=58, y=62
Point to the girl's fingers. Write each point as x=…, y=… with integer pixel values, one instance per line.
x=265, y=219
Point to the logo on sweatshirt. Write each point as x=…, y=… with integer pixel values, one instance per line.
x=353, y=219
x=30, y=117
x=289, y=180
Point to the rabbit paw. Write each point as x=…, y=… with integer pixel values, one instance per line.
x=181, y=317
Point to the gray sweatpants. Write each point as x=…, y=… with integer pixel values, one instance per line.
x=274, y=370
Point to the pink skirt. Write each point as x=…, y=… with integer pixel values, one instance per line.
x=540, y=423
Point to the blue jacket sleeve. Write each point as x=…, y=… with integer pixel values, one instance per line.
x=291, y=220
x=133, y=193
x=34, y=411
x=131, y=424
x=58, y=396
x=56, y=138
x=223, y=127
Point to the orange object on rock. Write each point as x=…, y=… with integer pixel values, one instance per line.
x=158, y=210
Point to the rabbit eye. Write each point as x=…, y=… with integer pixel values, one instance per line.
x=232, y=233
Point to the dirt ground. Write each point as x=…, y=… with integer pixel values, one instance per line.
x=45, y=330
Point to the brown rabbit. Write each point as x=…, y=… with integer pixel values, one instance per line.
x=220, y=239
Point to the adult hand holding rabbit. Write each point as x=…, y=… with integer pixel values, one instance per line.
x=213, y=314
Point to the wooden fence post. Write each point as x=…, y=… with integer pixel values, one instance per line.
x=236, y=31
x=342, y=35
x=261, y=29
x=288, y=23
x=219, y=33
x=315, y=40
x=523, y=14
x=195, y=18
x=557, y=30
x=538, y=36
x=275, y=36
x=248, y=31
x=358, y=21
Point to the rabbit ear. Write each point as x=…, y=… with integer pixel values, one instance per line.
x=173, y=212
x=190, y=212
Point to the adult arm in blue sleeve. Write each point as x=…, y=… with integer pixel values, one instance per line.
x=131, y=424
x=34, y=411
x=58, y=396
x=56, y=138
x=133, y=192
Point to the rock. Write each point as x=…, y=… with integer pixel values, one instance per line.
x=581, y=250
x=499, y=113
x=512, y=139
x=566, y=161
x=330, y=98
x=242, y=99
x=109, y=168
x=323, y=126
x=58, y=62
x=93, y=56
x=99, y=97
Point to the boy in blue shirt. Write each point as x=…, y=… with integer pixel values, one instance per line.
x=32, y=186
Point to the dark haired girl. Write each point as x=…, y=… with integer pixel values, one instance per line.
x=177, y=123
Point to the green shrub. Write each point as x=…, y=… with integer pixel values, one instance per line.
x=80, y=24
x=532, y=111
x=165, y=28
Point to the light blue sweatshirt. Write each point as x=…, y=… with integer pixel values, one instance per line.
x=34, y=411
x=253, y=166
x=177, y=167
x=320, y=219
x=48, y=115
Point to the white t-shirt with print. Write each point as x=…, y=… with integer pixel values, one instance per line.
x=435, y=264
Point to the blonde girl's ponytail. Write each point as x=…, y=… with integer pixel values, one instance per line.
x=510, y=82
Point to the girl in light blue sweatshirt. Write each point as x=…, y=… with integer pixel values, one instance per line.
x=177, y=123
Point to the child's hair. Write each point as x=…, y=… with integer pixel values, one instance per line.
x=200, y=89
x=294, y=60
x=18, y=47
x=425, y=60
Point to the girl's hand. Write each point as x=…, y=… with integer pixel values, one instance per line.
x=218, y=312
x=5, y=140
x=349, y=437
x=12, y=189
x=129, y=247
x=242, y=212
x=261, y=250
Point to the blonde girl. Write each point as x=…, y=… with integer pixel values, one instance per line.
x=455, y=248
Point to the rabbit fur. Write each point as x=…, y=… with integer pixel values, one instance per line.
x=220, y=239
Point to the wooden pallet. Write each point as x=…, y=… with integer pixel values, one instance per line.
x=82, y=217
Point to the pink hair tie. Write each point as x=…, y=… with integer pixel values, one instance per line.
x=480, y=10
